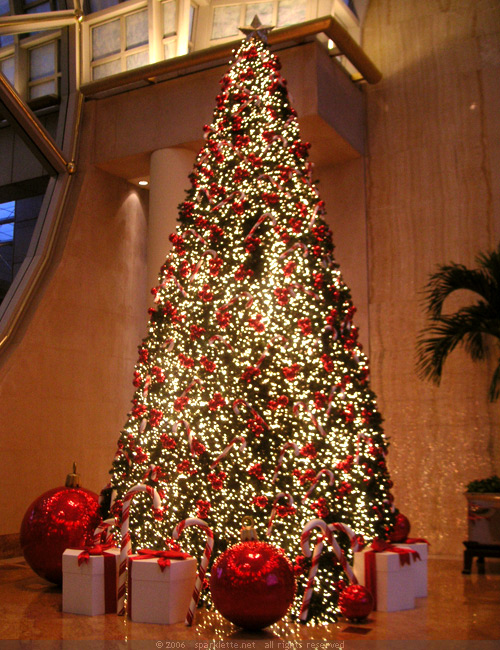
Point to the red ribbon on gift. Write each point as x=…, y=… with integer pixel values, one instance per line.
x=415, y=540
x=163, y=558
x=379, y=546
x=110, y=589
x=87, y=551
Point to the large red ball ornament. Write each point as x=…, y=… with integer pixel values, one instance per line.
x=401, y=529
x=62, y=518
x=355, y=603
x=252, y=585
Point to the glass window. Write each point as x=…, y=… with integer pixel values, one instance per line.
x=6, y=39
x=7, y=213
x=225, y=22
x=106, y=69
x=106, y=39
x=192, y=16
x=264, y=10
x=170, y=18
x=136, y=29
x=7, y=66
x=291, y=12
x=138, y=59
x=42, y=61
x=39, y=8
x=170, y=49
x=98, y=5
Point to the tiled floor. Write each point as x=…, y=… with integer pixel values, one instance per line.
x=458, y=607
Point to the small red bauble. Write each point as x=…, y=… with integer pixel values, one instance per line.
x=62, y=518
x=401, y=529
x=355, y=603
x=252, y=585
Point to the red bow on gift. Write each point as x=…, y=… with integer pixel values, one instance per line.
x=163, y=557
x=405, y=554
x=98, y=549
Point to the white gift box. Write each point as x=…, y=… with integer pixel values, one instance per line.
x=419, y=567
x=156, y=596
x=84, y=585
x=395, y=582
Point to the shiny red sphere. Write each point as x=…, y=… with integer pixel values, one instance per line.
x=355, y=603
x=252, y=585
x=59, y=519
x=401, y=529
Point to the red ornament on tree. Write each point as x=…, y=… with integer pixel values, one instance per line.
x=401, y=529
x=61, y=518
x=355, y=603
x=252, y=585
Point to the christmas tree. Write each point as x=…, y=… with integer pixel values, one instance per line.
x=252, y=392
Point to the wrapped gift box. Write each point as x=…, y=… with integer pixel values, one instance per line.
x=156, y=596
x=395, y=582
x=419, y=567
x=90, y=587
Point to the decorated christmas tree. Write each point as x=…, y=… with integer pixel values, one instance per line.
x=252, y=392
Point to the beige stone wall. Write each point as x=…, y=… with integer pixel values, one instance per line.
x=65, y=382
x=433, y=196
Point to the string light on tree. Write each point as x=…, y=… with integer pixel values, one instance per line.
x=251, y=382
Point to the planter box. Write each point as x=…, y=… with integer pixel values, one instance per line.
x=483, y=517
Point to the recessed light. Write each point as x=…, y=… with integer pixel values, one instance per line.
x=143, y=183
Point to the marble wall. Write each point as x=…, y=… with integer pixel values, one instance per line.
x=433, y=196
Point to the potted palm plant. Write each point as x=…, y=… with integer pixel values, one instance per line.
x=470, y=327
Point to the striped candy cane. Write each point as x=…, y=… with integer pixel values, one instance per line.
x=195, y=233
x=123, y=453
x=103, y=527
x=302, y=288
x=126, y=545
x=169, y=344
x=254, y=413
x=193, y=521
x=318, y=548
x=274, y=510
x=294, y=248
x=212, y=254
x=356, y=544
x=269, y=346
x=217, y=337
x=245, y=294
x=195, y=381
x=328, y=472
x=259, y=221
x=228, y=448
x=314, y=420
x=186, y=425
x=287, y=445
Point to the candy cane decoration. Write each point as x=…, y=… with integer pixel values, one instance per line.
x=296, y=246
x=195, y=381
x=185, y=424
x=361, y=436
x=195, y=233
x=274, y=510
x=287, y=445
x=314, y=419
x=178, y=285
x=255, y=413
x=241, y=196
x=269, y=346
x=328, y=472
x=169, y=344
x=121, y=452
x=147, y=384
x=356, y=544
x=302, y=288
x=193, y=521
x=217, y=337
x=126, y=545
x=103, y=527
x=259, y=221
x=244, y=294
x=263, y=177
x=212, y=254
x=143, y=425
x=151, y=472
x=228, y=448
x=318, y=548
x=315, y=213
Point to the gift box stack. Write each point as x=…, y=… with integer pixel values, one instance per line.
x=394, y=574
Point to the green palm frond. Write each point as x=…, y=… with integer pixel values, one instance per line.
x=468, y=327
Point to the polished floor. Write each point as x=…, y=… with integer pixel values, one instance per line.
x=458, y=607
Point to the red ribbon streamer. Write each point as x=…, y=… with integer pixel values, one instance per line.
x=110, y=586
x=87, y=551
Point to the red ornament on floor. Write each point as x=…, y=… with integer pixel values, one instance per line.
x=62, y=518
x=355, y=603
x=401, y=529
x=252, y=585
